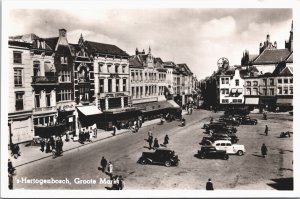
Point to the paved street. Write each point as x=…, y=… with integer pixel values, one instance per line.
x=250, y=171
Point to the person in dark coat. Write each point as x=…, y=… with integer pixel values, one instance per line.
x=150, y=141
x=121, y=183
x=264, y=150
x=52, y=143
x=114, y=130
x=42, y=145
x=266, y=130
x=48, y=146
x=155, y=145
x=209, y=185
x=103, y=164
x=166, y=141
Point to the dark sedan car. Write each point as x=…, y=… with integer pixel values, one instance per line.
x=212, y=152
x=164, y=156
x=248, y=120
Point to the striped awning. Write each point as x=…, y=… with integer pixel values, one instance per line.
x=286, y=102
x=252, y=101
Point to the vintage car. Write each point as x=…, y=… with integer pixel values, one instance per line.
x=216, y=126
x=237, y=111
x=212, y=152
x=229, y=147
x=248, y=120
x=214, y=137
x=163, y=156
x=229, y=121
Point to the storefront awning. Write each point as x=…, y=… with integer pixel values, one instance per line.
x=286, y=102
x=89, y=110
x=252, y=101
x=154, y=106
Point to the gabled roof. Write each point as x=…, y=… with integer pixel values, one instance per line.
x=29, y=38
x=287, y=71
x=290, y=58
x=52, y=42
x=134, y=62
x=272, y=56
x=94, y=47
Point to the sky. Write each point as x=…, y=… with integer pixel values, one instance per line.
x=195, y=36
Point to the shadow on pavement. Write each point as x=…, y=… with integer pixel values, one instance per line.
x=258, y=155
x=285, y=169
x=282, y=184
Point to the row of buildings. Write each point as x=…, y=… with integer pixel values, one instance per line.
x=55, y=86
x=263, y=81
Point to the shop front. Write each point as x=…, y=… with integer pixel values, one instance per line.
x=284, y=104
x=88, y=116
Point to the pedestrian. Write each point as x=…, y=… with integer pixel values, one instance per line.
x=103, y=164
x=115, y=183
x=150, y=141
x=110, y=169
x=48, y=146
x=121, y=183
x=166, y=140
x=155, y=145
x=209, y=185
x=149, y=133
x=42, y=144
x=114, y=130
x=266, y=130
x=140, y=123
x=264, y=150
x=52, y=142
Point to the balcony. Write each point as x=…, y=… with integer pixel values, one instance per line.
x=113, y=94
x=44, y=109
x=44, y=80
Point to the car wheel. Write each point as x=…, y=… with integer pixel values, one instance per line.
x=255, y=123
x=167, y=163
x=176, y=164
x=202, y=155
x=225, y=157
x=143, y=161
x=240, y=153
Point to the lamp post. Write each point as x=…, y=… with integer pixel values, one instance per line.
x=10, y=133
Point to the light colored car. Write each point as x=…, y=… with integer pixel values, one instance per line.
x=229, y=147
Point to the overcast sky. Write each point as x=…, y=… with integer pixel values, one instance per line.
x=197, y=37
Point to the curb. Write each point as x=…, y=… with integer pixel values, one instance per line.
x=75, y=147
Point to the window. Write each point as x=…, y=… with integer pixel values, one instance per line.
x=132, y=76
x=65, y=95
x=36, y=68
x=63, y=60
x=255, y=91
x=64, y=76
x=116, y=68
x=108, y=68
x=279, y=81
x=248, y=91
x=18, y=77
x=218, y=144
x=265, y=82
x=291, y=90
x=100, y=66
x=285, y=90
x=141, y=89
x=255, y=83
x=137, y=92
x=225, y=101
x=272, y=91
x=280, y=90
x=228, y=144
x=109, y=85
x=285, y=80
x=132, y=91
x=222, y=144
x=48, y=99
x=237, y=82
x=117, y=85
x=248, y=83
x=19, y=101
x=141, y=75
x=124, y=85
x=223, y=91
x=227, y=91
x=17, y=57
x=101, y=85
x=272, y=82
x=291, y=80
x=264, y=91
x=227, y=81
x=223, y=80
x=37, y=103
x=123, y=69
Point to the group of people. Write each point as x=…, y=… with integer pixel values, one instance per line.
x=53, y=143
x=15, y=150
x=117, y=181
x=135, y=125
x=85, y=135
x=189, y=108
x=155, y=141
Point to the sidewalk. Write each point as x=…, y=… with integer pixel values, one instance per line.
x=33, y=153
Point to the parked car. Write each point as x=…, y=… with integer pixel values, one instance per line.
x=229, y=121
x=212, y=152
x=237, y=111
x=218, y=126
x=248, y=120
x=230, y=148
x=233, y=138
x=214, y=137
x=164, y=156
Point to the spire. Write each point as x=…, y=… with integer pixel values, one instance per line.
x=80, y=41
x=149, y=50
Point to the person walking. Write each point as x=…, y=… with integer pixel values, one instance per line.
x=48, y=146
x=150, y=141
x=114, y=130
x=155, y=145
x=121, y=183
x=166, y=140
x=266, y=130
x=110, y=169
x=52, y=143
x=42, y=145
x=209, y=185
x=103, y=164
x=264, y=150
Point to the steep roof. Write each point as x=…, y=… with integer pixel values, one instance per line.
x=134, y=62
x=52, y=42
x=272, y=56
x=29, y=38
x=287, y=71
x=110, y=49
x=290, y=58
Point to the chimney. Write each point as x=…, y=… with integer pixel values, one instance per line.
x=268, y=38
x=136, y=51
x=62, y=40
x=62, y=32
